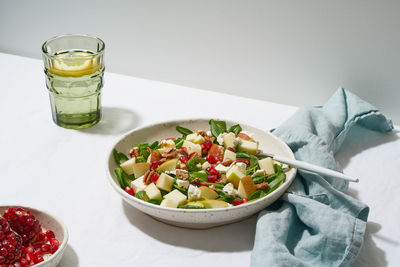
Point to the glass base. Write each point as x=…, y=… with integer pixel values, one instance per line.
x=77, y=121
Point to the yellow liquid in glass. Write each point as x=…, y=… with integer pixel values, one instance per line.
x=74, y=80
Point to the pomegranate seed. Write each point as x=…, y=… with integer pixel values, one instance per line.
x=208, y=144
x=45, y=247
x=192, y=155
x=17, y=264
x=129, y=190
x=183, y=159
x=203, y=148
x=24, y=262
x=49, y=234
x=2, y=259
x=214, y=172
x=42, y=236
x=203, y=184
x=39, y=259
x=154, y=165
x=237, y=202
x=155, y=177
x=211, y=159
x=212, y=178
x=245, y=200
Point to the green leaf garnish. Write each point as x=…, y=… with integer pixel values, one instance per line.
x=217, y=127
x=191, y=164
x=236, y=129
x=183, y=130
x=119, y=157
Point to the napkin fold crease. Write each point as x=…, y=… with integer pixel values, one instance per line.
x=315, y=223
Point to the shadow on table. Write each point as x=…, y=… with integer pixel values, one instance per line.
x=70, y=258
x=114, y=121
x=360, y=139
x=228, y=238
x=370, y=254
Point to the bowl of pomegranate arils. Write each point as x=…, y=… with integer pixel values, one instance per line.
x=30, y=237
x=199, y=173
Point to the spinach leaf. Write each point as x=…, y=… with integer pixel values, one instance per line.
x=179, y=142
x=236, y=129
x=201, y=175
x=224, y=196
x=259, y=178
x=143, y=150
x=271, y=177
x=155, y=145
x=183, y=190
x=119, y=157
x=190, y=207
x=215, y=185
x=280, y=178
x=256, y=195
x=217, y=127
x=140, y=159
x=191, y=164
x=123, y=179
x=142, y=195
x=183, y=130
x=253, y=162
x=155, y=201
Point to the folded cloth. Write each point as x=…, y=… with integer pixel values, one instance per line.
x=315, y=223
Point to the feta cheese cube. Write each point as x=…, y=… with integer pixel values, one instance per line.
x=194, y=193
x=229, y=189
x=205, y=165
x=182, y=183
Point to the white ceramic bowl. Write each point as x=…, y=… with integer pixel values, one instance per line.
x=48, y=222
x=197, y=218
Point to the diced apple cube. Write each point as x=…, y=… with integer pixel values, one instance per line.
x=127, y=166
x=169, y=165
x=152, y=191
x=246, y=187
x=229, y=155
x=208, y=193
x=267, y=165
x=191, y=147
x=140, y=168
x=229, y=140
x=138, y=184
x=191, y=137
x=177, y=196
x=248, y=146
x=214, y=204
x=199, y=139
x=165, y=182
x=221, y=168
x=169, y=203
x=234, y=175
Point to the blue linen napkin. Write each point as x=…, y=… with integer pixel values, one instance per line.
x=315, y=223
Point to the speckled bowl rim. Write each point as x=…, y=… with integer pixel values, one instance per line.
x=63, y=244
x=199, y=211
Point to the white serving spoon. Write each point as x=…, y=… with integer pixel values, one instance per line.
x=309, y=167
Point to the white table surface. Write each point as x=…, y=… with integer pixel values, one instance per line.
x=63, y=171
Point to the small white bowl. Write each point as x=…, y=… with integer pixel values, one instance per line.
x=197, y=218
x=48, y=222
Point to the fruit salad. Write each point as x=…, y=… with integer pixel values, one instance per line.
x=218, y=168
x=23, y=242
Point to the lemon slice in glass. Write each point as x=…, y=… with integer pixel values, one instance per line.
x=74, y=64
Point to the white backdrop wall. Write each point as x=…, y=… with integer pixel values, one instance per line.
x=291, y=52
